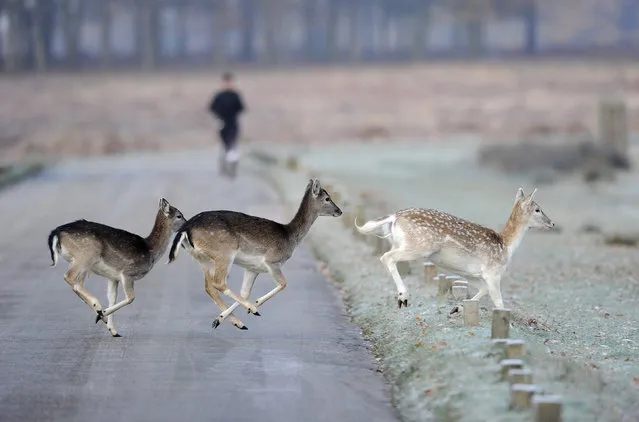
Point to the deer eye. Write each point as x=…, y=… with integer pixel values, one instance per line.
x=327, y=199
x=537, y=210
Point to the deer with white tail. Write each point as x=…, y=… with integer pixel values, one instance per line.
x=218, y=239
x=477, y=253
x=115, y=254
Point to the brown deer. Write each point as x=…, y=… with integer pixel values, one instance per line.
x=115, y=254
x=218, y=239
x=460, y=247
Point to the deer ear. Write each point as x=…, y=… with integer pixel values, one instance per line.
x=164, y=206
x=315, y=187
x=520, y=194
x=532, y=194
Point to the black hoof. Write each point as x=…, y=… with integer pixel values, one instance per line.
x=455, y=309
x=117, y=335
x=257, y=314
x=99, y=316
x=215, y=324
x=244, y=327
x=405, y=303
x=399, y=303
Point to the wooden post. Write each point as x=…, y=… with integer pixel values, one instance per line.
x=521, y=395
x=547, y=408
x=520, y=376
x=459, y=292
x=613, y=126
x=403, y=268
x=508, y=364
x=443, y=288
x=501, y=323
x=430, y=272
x=471, y=312
x=515, y=349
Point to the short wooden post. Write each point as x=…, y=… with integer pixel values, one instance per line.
x=430, y=272
x=508, y=364
x=520, y=376
x=515, y=349
x=460, y=292
x=521, y=395
x=501, y=323
x=547, y=408
x=613, y=125
x=471, y=312
x=403, y=268
x=442, y=284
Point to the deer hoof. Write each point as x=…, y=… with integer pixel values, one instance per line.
x=116, y=335
x=216, y=323
x=243, y=327
x=454, y=310
x=255, y=313
x=99, y=316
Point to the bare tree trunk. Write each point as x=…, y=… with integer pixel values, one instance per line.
x=105, y=35
x=271, y=14
x=148, y=22
x=220, y=30
x=353, y=22
x=420, y=39
x=71, y=27
x=248, y=25
x=532, y=21
x=331, y=29
x=475, y=36
x=8, y=27
x=181, y=36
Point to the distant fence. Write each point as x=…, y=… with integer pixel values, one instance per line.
x=42, y=34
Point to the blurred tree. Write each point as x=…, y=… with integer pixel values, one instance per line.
x=105, y=32
x=421, y=27
x=355, y=43
x=148, y=15
x=71, y=19
x=248, y=29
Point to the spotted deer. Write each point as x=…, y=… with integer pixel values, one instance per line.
x=458, y=246
x=218, y=239
x=115, y=254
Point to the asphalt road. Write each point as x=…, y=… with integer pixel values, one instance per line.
x=302, y=360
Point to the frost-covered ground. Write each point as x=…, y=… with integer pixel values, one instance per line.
x=574, y=299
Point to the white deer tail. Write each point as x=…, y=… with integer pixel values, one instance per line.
x=380, y=227
x=54, y=246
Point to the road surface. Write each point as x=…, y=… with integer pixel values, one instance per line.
x=300, y=361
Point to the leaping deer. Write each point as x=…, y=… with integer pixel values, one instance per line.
x=218, y=239
x=117, y=255
x=458, y=246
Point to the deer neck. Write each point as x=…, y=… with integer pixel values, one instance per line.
x=160, y=235
x=303, y=220
x=513, y=232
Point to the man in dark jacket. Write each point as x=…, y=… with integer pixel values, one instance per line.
x=226, y=105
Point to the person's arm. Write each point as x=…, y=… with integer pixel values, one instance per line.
x=214, y=105
x=240, y=104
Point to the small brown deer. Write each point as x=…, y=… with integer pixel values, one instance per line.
x=460, y=247
x=218, y=239
x=115, y=254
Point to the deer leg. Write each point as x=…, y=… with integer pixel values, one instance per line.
x=494, y=290
x=215, y=295
x=75, y=277
x=390, y=259
x=481, y=292
x=276, y=272
x=219, y=282
x=112, y=295
x=129, y=296
x=247, y=286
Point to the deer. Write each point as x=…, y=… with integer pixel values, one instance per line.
x=219, y=239
x=112, y=253
x=475, y=252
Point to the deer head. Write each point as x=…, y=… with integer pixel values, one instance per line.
x=529, y=213
x=172, y=214
x=321, y=202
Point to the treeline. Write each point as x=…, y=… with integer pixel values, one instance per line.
x=44, y=34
